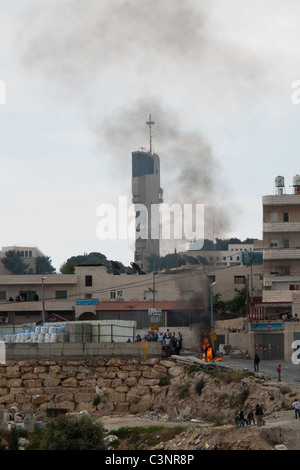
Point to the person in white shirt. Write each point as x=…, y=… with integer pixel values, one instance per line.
x=296, y=406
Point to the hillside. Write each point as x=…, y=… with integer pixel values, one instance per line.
x=205, y=400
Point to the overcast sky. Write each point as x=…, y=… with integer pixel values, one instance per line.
x=81, y=79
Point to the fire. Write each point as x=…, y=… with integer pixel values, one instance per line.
x=208, y=355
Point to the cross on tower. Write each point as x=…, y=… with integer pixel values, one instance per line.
x=150, y=123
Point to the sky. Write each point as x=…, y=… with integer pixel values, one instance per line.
x=82, y=78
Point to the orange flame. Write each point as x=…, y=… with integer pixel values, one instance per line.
x=208, y=352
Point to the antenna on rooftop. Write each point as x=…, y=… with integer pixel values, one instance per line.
x=150, y=124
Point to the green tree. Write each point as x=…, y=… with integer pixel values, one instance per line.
x=14, y=262
x=43, y=265
x=69, y=432
x=68, y=266
x=237, y=305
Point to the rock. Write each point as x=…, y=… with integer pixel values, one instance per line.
x=69, y=382
x=52, y=382
x=176, y=371
x=280, y=447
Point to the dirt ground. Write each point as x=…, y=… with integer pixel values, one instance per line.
x=280, y=429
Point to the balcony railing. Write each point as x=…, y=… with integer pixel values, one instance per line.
x=281, y=254
x=278, y=227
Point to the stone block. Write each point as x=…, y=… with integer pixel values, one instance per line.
x=122, y=389
x=139, y=407
x=15, y=383
x=7, y=399
x=131, y=381
x=115, y=362
x=176, y=371
x=167, y=363
x=116, y=383
x=22, y=399
x=121, y=407
x=117, y=397
x=148, y=382
x=87, y=383
x=32, y=383
x=69, y=382
x=152, y=374
x=52, y=382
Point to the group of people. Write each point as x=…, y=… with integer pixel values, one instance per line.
x=166, y=338
x=241, y=419
x=286, y=317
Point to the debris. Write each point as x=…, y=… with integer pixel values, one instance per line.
x=280, y=447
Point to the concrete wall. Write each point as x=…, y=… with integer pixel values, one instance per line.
x=35, y=351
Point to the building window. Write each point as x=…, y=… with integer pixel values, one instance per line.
x=285, y=217
x=239, y=280
x=2, y=295
x=286, y=243
x=88, y=281
x=273, y=216
x=148, y=294
x=286, y=270
x=116, y=294
x=274, y=270
x=273, y=243
x=60, y=294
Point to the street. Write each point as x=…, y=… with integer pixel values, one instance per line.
x=290, y=373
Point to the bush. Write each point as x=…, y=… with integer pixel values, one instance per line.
x=199, y=386
x=164, y=381
x=67, y=432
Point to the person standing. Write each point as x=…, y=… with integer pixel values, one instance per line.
x=296, y=406
x=259, y=414
x=279, y=372
x=250, y=418
x=256, y=362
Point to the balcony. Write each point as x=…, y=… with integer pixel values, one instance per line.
x=37, y=306
x=281, y=227
x=282, y=254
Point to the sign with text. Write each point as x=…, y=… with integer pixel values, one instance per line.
x=154, y=311
x=87, y=301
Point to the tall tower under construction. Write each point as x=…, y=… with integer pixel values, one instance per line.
x=146, y=196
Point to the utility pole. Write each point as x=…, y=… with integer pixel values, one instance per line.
x=43, y=300
x=153, y=290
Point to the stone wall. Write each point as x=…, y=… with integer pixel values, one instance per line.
x=127, y=385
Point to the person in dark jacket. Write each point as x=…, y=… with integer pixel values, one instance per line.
x=259, y=415
x=256, y=362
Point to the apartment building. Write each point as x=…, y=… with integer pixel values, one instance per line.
x=227, y=269
x=281, y=242
x=92, y=293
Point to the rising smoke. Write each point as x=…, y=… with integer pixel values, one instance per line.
x=120, y=60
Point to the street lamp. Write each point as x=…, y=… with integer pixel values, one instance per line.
x=43, y=300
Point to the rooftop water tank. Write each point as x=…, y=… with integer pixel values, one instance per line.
x=279, y=183
x=296, y=184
